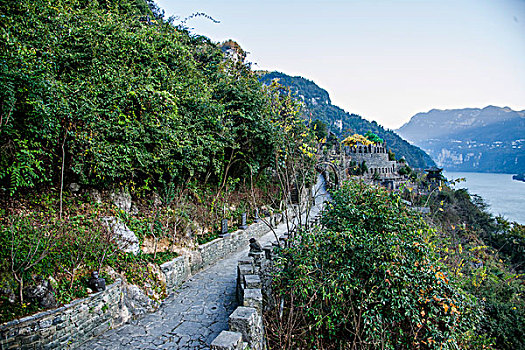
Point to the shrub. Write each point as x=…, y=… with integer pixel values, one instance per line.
x=486, y=254
x=36, y=245
x=369, y=278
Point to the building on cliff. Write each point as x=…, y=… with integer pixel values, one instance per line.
x=374, y=163
x=369, y=162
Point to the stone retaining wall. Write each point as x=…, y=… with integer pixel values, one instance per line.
x=176, y=271
x=207, y=254
x=77, y=322
x=67, y=326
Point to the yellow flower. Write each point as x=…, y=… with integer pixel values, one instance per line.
x=445, y=306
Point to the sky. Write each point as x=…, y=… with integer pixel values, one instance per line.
x=384, y=60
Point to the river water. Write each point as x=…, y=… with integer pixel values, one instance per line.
x=504, y=196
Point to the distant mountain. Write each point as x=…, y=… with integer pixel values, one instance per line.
x=491, y=139
x=318, y=103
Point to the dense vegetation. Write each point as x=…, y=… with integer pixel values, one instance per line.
x=319, y=106
x=101, y=98
x=369, y=278
x=376, y=275
x=488, y=256
x=97, y=92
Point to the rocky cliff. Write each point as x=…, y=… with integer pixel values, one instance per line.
x=491, y=139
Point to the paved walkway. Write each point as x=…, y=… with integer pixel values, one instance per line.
x=192, y=316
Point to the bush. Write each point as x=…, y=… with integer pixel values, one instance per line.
x=36, y=245
x=486, y=254
x=369, y=278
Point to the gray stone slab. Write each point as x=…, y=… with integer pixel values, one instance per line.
x=227, y=340
x=246, y=261
x=253, y=298
x=243, y=270
x=252, y=282
x=248, y=322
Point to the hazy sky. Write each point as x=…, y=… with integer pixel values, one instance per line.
x=383, y=60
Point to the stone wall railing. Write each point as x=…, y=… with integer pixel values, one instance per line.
x=79, y=321
x=181, y=268
x=246, y=330
x=254, y=295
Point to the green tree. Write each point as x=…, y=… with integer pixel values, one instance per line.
x=119, y=99
x=373, y=137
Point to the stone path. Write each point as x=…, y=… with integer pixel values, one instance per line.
x=192, y=316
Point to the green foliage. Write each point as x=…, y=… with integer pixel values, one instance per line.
x=132, y=102
x=320, y=129
x=509, y=240
x=26, y=249
x=486, y=256
x=404, y=170
x=370, y=278
x=160, y=257
x=391, y=155
x=504, y=308
x=297, y=147
x=139, y=270
x=408, y=171
x=207, y=237
x=373, y=137
x=26, y=170
x=110, y=95
x=357, y=168
x=363, y=168
x=37, y=246
x=65, y=251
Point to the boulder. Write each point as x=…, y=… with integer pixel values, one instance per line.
x=122, y=200
x=7, y=292
x=95, y=194
x=74, y=187
x=126, y=239
x=137, y=302
x=41, y=292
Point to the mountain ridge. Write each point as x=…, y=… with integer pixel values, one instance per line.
x=318, y=104
x=489, y=139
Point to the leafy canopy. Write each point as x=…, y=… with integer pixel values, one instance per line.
x=121, y=99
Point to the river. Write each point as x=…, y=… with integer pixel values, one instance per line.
x=504, y=196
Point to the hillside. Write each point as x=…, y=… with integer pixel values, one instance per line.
x=471, y=139
x=104, y=94
x=319, y=106
x=121, y=130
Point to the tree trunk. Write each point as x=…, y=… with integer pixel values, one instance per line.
x=20, y=288
x=62, y=174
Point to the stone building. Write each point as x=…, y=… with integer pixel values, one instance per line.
x=378, y=167
x=375, y=157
